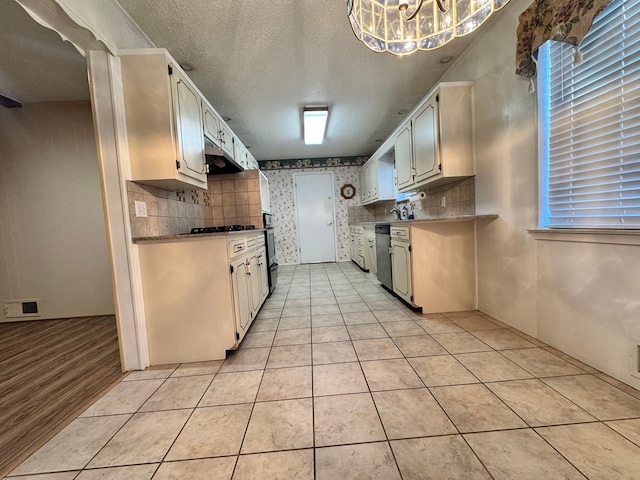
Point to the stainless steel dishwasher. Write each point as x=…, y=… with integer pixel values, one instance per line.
x=383, y=255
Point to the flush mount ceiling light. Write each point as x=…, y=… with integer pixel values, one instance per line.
x=315, y=123
x=403, y=26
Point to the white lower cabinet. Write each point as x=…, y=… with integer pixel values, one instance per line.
x=433, y=265
x=401, y=263
x=357, y=247
x=201, y=294
x=245, y=252
x=256, y=288
x=241, y=282
x=369, y=237
x=444, y=271
x=263, y=269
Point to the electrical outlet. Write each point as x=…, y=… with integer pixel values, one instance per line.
x=443, y=201
x=141, y=209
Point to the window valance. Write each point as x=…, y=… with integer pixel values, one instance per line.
x=561, y=20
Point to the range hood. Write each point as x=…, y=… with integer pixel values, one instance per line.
x=217, y=161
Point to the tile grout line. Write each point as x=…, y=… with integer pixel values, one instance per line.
x=131, y=416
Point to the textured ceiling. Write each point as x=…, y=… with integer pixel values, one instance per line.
x=36, y=64
x=260, y=62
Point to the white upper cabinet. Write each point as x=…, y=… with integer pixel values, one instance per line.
x=164, y=121
x=211, y=123
x=265, y=195
x=377, y=179
x=227, y=140
x=188, y=117
x=365, y=183
x=217, y=131
x=436, y=145
x=455, y=115
x=252, y=162
x=222, y=137
x=239, y=153
x=424, y=134
x=404, y=158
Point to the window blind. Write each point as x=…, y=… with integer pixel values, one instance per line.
x=592, y=174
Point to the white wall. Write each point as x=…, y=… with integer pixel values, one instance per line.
x=284, y=213
x=52, y=233
x=582, y=298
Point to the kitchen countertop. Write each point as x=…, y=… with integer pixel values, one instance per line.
x=420, y=221
x=188, y=236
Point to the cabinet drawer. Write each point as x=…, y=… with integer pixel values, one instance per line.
x=237, y=247
x=400, y=233
x=260, y=240
x=251, y=242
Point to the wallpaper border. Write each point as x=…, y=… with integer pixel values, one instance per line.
x=312, y=162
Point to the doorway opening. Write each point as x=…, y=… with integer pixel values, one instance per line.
x=315, y=217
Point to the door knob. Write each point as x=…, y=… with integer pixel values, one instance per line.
x=329, y=222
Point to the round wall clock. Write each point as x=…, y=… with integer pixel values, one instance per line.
x=348, y=191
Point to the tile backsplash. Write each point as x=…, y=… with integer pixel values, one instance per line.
x=459, y=200
x=229, y=200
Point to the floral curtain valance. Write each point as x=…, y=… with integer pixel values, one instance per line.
x=566, y=21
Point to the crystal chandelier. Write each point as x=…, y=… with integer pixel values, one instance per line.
x=404, y=26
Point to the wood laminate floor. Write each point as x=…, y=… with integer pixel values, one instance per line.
x=50, y=371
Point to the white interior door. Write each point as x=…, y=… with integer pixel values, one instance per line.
x=315, y=217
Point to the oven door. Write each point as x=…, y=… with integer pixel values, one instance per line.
x=273, y=277
x=271, y=246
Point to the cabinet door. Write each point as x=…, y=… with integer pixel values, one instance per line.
x=401, y=269
x=373, y=180
x=364, y=183
x=265, y=196
x=264, y=273
x=239, y=154
x=241, y=295
x=425, y=141
x=226, y=139
x=403, y=158
x=252, y=163
x=352, y=247
x=188, y=122
x=211, y=124
x=254, y=276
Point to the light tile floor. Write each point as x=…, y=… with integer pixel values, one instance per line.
x=337, y=379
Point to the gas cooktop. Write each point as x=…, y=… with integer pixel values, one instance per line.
x=228, y=228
